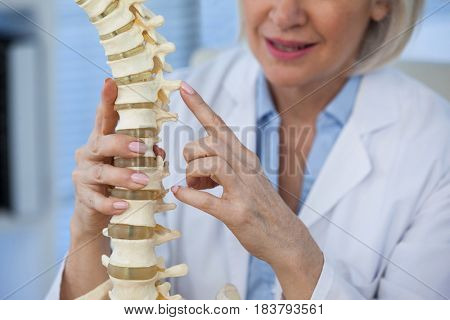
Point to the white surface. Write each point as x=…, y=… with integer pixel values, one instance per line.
x=228, y=310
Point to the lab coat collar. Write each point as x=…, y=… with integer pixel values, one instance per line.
x=241, y=78
x=377, y=102
x=349, y=162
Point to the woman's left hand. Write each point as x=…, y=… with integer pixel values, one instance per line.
x=249, y=206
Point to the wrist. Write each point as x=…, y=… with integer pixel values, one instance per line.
x=79, y=234
x=83, y=268
x=87, y=244
x=299, y=271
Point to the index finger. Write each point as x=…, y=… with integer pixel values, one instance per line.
x=212, y=123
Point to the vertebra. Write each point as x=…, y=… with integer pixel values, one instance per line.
x=136, y=54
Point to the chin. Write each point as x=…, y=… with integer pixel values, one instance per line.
x=286, y=76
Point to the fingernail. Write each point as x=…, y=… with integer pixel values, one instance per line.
x=140, y=178
x=159, y=152
x=120, y=205
x=187, y=88
x=137, y=147
x=175, y=189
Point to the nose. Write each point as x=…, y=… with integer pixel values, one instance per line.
x=288, y=14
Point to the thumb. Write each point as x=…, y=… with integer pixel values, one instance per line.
x=201, y=200
x=110, y=117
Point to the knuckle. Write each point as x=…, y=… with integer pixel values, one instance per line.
x=98, y=204
x=216, y=120
x=208, y=204
x=89, y=201
x=191, y=168
x=241, y=216
x=105, y=206
x=76, y=176
x=95, y=145
x=187, y=151
x=98, y=172
x=79, y=155
x=256, y=162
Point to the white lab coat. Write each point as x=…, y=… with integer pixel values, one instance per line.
x=379, y=210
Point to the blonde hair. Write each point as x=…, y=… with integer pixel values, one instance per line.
x=384, y=40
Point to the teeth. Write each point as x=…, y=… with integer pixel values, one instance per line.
x=286, y=48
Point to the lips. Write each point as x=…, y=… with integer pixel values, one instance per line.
x=288, y=50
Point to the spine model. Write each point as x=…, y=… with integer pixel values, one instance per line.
x=136, y=54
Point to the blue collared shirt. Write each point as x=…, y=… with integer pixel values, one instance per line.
x=329, y=124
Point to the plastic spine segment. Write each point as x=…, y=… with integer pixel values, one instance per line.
x=136, y=54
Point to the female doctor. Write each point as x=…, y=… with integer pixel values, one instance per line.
x=341, y=192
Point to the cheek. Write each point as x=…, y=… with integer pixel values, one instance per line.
x=254, y=16
x=342, y=32
x=252, y=21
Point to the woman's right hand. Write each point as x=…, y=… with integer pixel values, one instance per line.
x=94, y=172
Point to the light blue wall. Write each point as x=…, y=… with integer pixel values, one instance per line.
x=431, y=41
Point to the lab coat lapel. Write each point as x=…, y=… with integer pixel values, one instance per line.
x=349, y=162
x=347, y=165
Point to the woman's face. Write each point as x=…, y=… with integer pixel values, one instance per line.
x=301, y=42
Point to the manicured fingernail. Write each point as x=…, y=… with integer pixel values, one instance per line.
x=120, y=205
x=137, y=147
x=159, y=152
x=140, y=178
x=187, y=88
x=175, y=189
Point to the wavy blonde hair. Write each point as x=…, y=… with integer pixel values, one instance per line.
x=384, y=40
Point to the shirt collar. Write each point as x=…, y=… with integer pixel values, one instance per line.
x=340, y=108
x=264, y=103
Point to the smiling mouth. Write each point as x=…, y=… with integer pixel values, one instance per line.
x=288, y=46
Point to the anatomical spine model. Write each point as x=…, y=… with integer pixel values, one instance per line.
x=136, y=54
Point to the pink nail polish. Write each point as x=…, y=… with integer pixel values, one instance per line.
x=140, y=178
x=175, y=189
x=137, y=147
x=120, y=205
x=187, y=88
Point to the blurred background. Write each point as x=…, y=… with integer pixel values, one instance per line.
x=51, y=71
